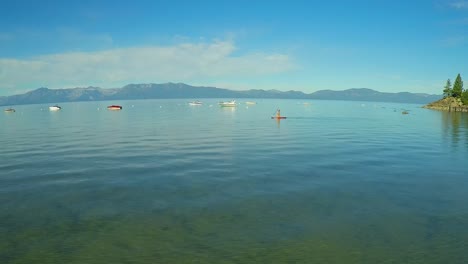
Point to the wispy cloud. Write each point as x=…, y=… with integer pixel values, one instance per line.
x=70, y=37
x=459, y=22
x=454, y=41
x=65, y=38
x=388, y=76
x=459, y=4
x=115, y=67
x=5, y=36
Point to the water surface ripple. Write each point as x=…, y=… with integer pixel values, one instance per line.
x=165, y=182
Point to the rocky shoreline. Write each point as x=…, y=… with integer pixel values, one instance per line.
x=450, y=104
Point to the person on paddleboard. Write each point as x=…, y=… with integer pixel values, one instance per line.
x=278, y=113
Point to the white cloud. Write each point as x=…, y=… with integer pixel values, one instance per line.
x=459, y=4
x=116, y=67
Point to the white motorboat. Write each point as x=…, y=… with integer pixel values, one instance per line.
x=195, y=103
x=54, y=108
x=228, y=103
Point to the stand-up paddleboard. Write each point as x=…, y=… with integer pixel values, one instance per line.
x=278, y=116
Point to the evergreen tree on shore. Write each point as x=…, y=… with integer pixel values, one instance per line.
x=457, y=87
x=448, y=89
x=464, y=97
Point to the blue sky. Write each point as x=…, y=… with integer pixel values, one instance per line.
x=389, y=46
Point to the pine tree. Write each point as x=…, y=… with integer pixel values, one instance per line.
x=457, y=87
x=448, y=89
x=464, y=97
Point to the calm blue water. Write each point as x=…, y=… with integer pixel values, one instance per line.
x=165, y=182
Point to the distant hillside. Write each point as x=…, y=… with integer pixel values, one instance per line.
x=180, y=90
x=364, y=94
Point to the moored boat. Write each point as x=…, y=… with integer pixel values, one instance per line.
x=195, y=103
x=228, y=103
x=251, y=103
x=10, y=110
x=114, y=107
x=54, y=108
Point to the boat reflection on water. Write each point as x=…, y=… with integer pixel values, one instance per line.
x=278, y=122
x=228, y=109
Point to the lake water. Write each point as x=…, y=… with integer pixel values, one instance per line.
x=165, y=182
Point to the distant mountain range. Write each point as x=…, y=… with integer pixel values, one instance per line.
x=180, y=90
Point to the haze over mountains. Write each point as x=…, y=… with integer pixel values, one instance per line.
x=181, y=90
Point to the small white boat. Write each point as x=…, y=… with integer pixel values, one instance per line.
x=54, y=108
x=10, y=110
x=251, y=103
x=195, y=103
x=228, y=103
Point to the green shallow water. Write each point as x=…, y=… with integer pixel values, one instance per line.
x=162, y=182
x=249, y=232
